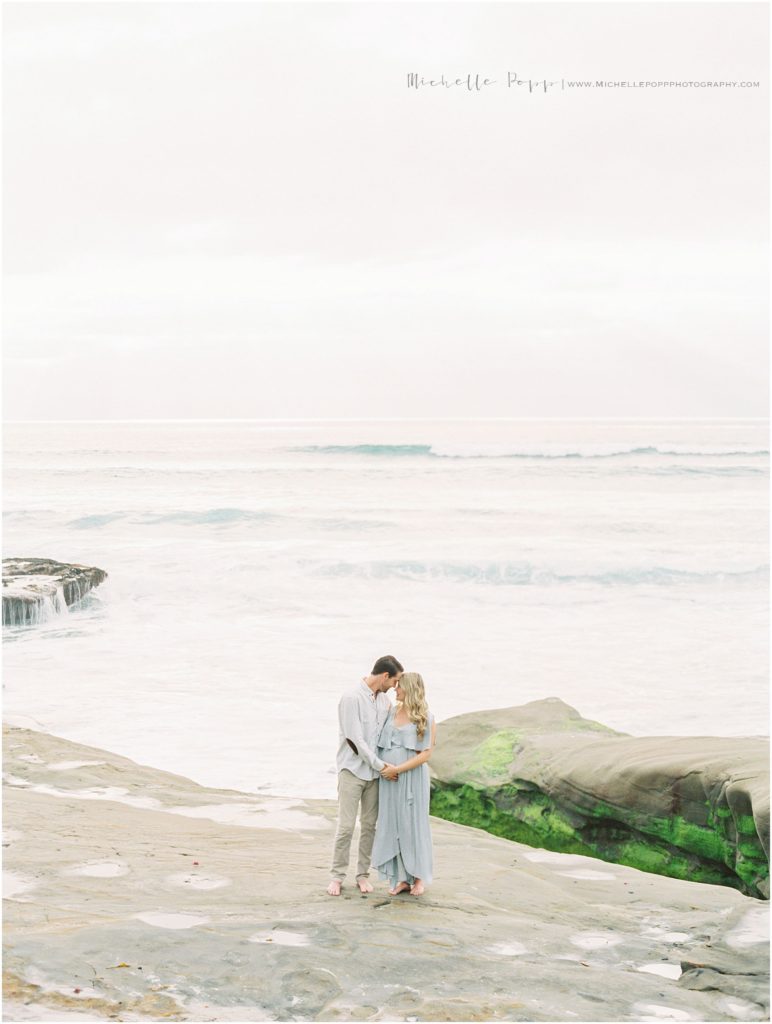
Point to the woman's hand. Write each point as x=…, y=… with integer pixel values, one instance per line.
x=389, y=772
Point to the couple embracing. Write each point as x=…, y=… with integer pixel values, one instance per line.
x=383, y=777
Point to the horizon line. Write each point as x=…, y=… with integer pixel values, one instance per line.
x=411, y=419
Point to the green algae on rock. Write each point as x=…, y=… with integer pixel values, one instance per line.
x=693, y=808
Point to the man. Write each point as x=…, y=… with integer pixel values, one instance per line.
x=361, y=714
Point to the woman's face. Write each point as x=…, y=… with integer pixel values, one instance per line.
x=399, y=693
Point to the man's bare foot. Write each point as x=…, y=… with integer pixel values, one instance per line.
x=364, y=885
x=402, y=887
x=417, y=888
x=333, y=889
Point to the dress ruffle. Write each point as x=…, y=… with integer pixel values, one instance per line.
x=405, y=735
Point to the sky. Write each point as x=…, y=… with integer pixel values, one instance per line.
x=218, y=210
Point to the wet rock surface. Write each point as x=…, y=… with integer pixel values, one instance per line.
x=695, y=808
x=134, y=894
x=36, y=588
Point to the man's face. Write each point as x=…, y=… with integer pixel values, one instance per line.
x=387, y=683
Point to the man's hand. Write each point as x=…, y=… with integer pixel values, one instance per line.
x=389, y=772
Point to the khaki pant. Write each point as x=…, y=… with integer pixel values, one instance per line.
x=354, y=793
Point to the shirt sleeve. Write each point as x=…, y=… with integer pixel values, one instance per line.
x=351, y=726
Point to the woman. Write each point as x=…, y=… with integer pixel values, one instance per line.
x=402, y=851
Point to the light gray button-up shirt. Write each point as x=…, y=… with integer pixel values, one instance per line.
x=361, y=714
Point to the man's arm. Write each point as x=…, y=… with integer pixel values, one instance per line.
x=352, y=730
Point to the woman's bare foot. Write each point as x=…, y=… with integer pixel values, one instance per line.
x=333, y=889
x=417, y=888
x=364, y=885
x=402, y=887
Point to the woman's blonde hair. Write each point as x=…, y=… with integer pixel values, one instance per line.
x=414, y=702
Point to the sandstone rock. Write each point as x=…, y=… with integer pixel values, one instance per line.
x=34, y=589
x=690, y=807
x=157, y=898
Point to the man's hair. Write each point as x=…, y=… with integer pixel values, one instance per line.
x=388, y=663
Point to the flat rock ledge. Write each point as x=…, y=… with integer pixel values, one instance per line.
x=134, y=894
x=694, y=808
x=35, y=589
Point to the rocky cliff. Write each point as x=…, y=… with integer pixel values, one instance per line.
x=695, y=808
x=35, y=589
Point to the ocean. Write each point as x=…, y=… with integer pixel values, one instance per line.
x=258, y=568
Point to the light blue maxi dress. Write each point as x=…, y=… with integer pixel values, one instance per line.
x=402, y=850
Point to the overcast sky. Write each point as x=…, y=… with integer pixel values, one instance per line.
x=241, y=210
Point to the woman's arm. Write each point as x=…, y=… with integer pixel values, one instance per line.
x=419, y=759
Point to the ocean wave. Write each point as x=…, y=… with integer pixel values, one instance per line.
x=366, y=449
x=29, y=513
x=694, y=471
x=349, y=524
x=525, y=574
x=212, y=517
x=209, y=517
x=95, y=521
x=206, y=517
x=545, y=451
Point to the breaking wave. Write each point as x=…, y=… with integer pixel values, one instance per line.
x=525, y=574
x=547, y=451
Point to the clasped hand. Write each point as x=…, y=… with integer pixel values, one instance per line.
x=389, y=772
